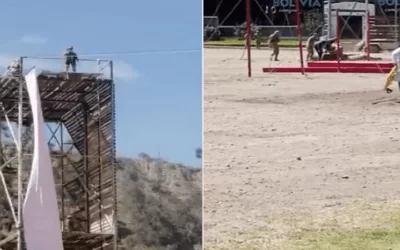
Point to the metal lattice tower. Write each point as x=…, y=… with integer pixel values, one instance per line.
x=326, y=28
x=79, y=109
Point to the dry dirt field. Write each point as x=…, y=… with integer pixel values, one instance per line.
x=284, y=153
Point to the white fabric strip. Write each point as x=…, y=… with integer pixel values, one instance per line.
x=41, y=219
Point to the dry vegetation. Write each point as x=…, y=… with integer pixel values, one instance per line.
x=298, y=162
x=159, y=203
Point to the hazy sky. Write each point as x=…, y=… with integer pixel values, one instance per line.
x=158, y=95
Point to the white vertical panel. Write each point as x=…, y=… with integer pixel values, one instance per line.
x=41, y=218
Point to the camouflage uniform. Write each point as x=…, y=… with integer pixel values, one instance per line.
x=324, y=45
x=310, y=46
x=360, y=45
x=258, y=40
x=14, y=68
x=274, y=44
x=70, y=59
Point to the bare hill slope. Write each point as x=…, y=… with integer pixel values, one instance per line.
x=159, y=204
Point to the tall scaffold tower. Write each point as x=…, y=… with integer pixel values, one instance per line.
x=79, y=111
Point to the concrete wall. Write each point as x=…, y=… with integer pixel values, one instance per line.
x=350, y=9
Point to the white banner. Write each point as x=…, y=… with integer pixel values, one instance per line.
x=41, y=219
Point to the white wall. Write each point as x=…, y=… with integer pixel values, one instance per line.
x=348, y=6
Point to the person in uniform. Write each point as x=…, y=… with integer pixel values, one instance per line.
x=324, y=45
x=273, y=42
x=360, y=45
x=14, y=69
x=392, y=74
x=70, y=59
x=258, y=39
x=310, y=46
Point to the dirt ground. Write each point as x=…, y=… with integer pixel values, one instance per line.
x=285, y=146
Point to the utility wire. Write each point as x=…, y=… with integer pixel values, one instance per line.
x=183, y=51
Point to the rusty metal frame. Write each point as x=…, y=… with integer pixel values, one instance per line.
x=78, y=165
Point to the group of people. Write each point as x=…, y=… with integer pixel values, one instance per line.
x=70, y=60
x=324, y=45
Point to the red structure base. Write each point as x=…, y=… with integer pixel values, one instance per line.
x=327, y=64
x=366, y=70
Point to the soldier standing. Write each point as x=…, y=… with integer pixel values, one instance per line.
x=14, y=69
x=310, y=46
x=273, y=42
x=258, y=39
x=70, y=59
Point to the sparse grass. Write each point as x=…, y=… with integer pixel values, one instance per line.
x=371, y=229
x=356, y=239
x=234, y=42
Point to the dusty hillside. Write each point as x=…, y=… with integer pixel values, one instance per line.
x=159, y=204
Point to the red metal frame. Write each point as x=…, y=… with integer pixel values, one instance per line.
x=325, y=64
x=366, y=70
x=338, y=65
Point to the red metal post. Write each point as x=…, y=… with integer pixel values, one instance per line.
x=298, y=24
x=248, y=36
x=338, y=54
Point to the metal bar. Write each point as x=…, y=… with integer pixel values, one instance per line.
x=26, y=100
x=248, y=37
x=365, y=37
x=368, y=36
x=62, y=177
x=298, y=22
x=99, y=158
x=113, y=155
x=338, y=39
x=3, y=180
x=385, y=26
x=346, y=20
x=260, y=26
x=395, y=22
x=53, y=134
x=20, y=157
x=86, y=166
x=10, y=129
x=329, y=15
x=7, y=162
x=350, y=11
x=60, y=58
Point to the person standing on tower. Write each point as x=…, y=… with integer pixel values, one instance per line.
x=14, y=69
x=70, y=59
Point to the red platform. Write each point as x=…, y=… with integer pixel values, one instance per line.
x=328, y=64
x=335, y=69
